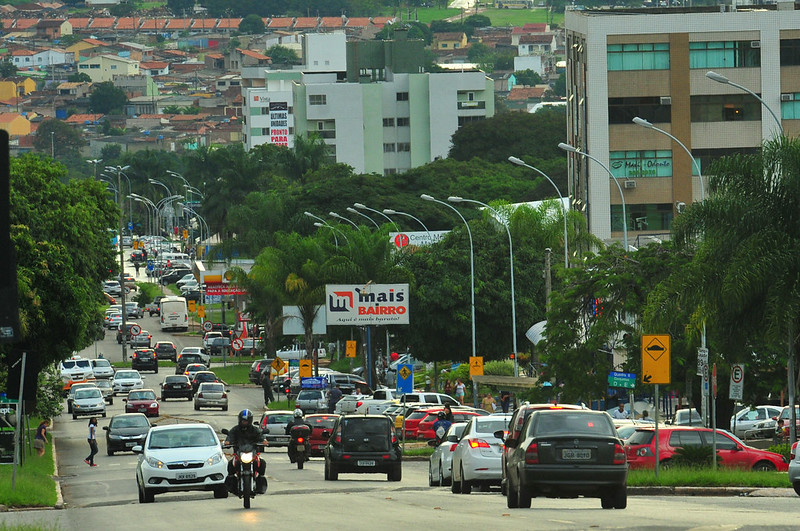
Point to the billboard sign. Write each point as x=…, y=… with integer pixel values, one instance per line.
x=416, y=239
x=371, y=304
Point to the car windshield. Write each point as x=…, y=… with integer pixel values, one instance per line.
x=134, y=421
x=68, y=364
x=182, y=438
x=126, y=375
x=84, y=364
x=103, y=384
x=307, y=394
x=87, y=393
x=491, y=425
x=418, y=415
x=567, y=422
x=366, y=434
x=101, y=363
x=141, y=395
x=457, y=430
x=283, y=418
x=640, y=437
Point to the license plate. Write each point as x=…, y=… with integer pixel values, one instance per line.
x=142, y=410
x=130, y=444
x=365, y=463
x=575, y=455
x=281, y=439
x=186, y=475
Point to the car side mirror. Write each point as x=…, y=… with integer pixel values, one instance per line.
x=432, y=443
x=137, y=449
x=452, y=438
x=143, y=377
x=158, y=398
x=105, y=428
x=124, y=399
x=224, y=431
x=500, y=434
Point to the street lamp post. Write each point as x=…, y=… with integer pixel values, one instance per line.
x=149, y=218
x=169, y=193
x=392, y=212
x=312, y=216
x=719, y=78
x=456, y=199
x=201, y=223
x=427, y=197
x=156, y=216
x=520, y=162
x=53, y=146
x=571, y=149
x=120, y=170
x=339, y=216
x=354, y=211
x=365, y=207
x=334, y=230
x=95, y=162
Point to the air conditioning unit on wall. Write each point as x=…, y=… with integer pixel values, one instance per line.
x=787, y=97
x=630, y=185
x=666, y=100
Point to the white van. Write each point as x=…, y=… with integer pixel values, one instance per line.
x=175, y=258
x=174, y=314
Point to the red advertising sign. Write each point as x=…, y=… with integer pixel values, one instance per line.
x=219, y=288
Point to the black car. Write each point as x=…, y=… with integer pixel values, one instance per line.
x=564, y=454
x=257, y=369
x=177, y=386
x=165, y=350
x=126, y=333
x=363, y=444
x=219, y=346
x=173, y=275
x=144, y=359
x=185, y=360
x=192, y=294
x=126, y=431
x=137, y=256
x=202, y=377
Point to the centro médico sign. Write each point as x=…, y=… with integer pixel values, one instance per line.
x=373, y=304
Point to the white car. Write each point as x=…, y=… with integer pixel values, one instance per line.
x=477, y=458
x=112, y=287
x=189, y=285
x=76, y=368
x=439, y=464
x=126, y=380
x=180, y=457
x=88, y=401
x=102, y=368
x=794, y=469
x=186, y=278
x=747, y=418
x=200, y=351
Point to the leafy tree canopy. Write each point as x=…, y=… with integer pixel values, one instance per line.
x=106, y=98
x=282, y=55
x=79, y=77
x=252, y=24
x=7, y=69
x=528, y=77
x=57, y=136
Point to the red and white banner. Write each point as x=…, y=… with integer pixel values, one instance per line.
x=220, y=288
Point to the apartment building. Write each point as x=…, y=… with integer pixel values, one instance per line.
x=652, y=63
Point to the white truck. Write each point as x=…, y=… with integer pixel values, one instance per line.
x=296, y=353
x=383, y=398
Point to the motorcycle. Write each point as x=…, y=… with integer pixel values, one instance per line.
x=299, y=444
x=245, y=463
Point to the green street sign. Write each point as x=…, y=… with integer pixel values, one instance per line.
x=621, y=379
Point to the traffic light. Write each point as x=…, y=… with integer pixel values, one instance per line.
x=512, y=356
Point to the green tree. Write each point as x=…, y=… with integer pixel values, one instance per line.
x=282, y=55
x=560, y=85
x=58, y=137
x=477, y=21
x=528, y=77
x=79, y=77
x=252, y=25
x=7, y=69
x=309, y=154
x=180, y=8
x=106, y=98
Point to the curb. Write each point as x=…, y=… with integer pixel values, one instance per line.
x=59, y=496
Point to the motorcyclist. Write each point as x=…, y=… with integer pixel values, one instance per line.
x=245, y=432
x=441, y=426
x=297, y=420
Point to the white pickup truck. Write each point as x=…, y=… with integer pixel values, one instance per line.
x=294, y=353
x=383, y=398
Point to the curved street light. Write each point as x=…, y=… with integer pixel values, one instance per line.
x=456, y=199
x=339, y=216
x=365, y=207
x=354, y=211
x=309, y=214
x=520, y=162
x=334, y=230
x=719, y=78
x=392, y=212
x=571, y=149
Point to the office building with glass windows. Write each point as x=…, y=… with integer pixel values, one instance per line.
x=652, y=63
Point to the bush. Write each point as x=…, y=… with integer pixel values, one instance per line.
x=783, y=449
x=694, y=457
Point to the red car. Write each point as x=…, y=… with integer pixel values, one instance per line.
x=142, y=401
x=640, y=448
x=425, y=426
x=412, y=420
x=319, y=423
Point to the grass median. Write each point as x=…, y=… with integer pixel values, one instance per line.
x=723, y=477
x=35, y=486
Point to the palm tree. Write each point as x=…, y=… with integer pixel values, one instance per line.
x=746, y=274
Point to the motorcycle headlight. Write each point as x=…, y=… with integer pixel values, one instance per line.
x=155, y=463
x=214, y=459
x=246, y=457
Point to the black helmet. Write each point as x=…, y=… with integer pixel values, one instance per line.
x=442, y=415
x=245, y=415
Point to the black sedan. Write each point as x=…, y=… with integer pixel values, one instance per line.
x=202, y=377
x=126, y=431
x=567, y=453
x=177, y=386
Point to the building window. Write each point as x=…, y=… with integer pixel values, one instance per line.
x=467, y=119
x=657, y=217
x=624, y=110
x=705, y=157
x=790, y=110
x=94, y=67
x=402, y=96
x=113, y=67
x=725, y=108
x=403, y=122
x=636, y=164
x=724, y=54
x=390, y=171
x=388, y=122
x=403, y=146
x=264, y=111
x=444, y=45
x=265, y=131
x=388, y=148
x=790, y=52
x=317, y=99
x=642, y=56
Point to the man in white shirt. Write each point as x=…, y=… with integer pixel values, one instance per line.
x=620, y=412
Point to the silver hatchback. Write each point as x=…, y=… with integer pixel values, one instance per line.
x=211, y=394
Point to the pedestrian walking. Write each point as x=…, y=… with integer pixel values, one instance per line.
x=505, y=400
x=266, y=383
x=334, y=395
x=136, y=265
x=488, y=403
x=40, y=439
x=461, y=390
x=92, y=441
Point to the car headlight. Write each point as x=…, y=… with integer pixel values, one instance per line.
x=155, y=463
x=154, y=404
x=216, y=458
x=246, y=457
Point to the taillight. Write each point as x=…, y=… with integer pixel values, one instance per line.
x=453, y=447
x=300, y=440
x=478, y=443
x=619, y=454
x=644, y=451
x=793, y=452
x=338, y=439
x=358, y=404
x=224, y=395
x=532, y=454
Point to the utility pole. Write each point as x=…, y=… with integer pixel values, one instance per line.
x=548, y=285
x=122, y=266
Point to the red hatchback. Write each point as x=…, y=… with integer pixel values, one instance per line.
x=142, y=401
x=425, y=427
x=322, y=422
x=640, y=448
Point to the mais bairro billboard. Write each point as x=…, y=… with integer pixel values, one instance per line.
x=371, y=304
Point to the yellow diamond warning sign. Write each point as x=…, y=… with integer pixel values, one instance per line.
x=404, y=372
x=656, y=358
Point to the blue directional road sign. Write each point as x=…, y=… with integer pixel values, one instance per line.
x=313, y=383
x=130, y=226
x=405, y=378
x=622, y=379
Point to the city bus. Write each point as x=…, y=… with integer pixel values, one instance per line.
x=174, y=314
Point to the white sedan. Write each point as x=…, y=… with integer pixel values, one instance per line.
x=180, y=457
x=477, y=457
x=126, y=380
x=439, y=465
